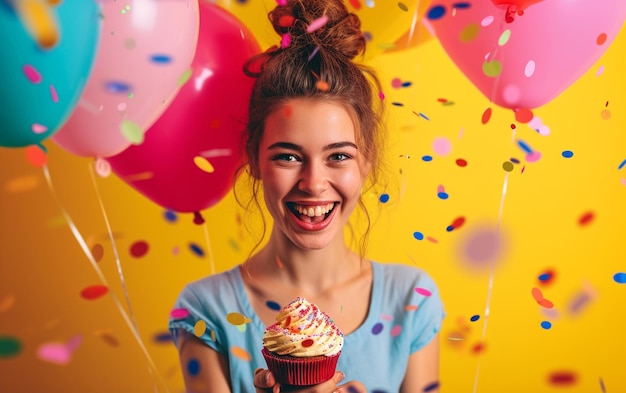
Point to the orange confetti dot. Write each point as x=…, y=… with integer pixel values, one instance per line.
x=537, y=295
x=36, y=156
x=601, y=39
x=605, y=114
x=97, y=251
x=236, y=318
x=486, y=116
x=94, y=292
x=478, y=348
x=410, y=307
x=545, y=303
x=22, y=184
x=240, y=353
x=7, y=302
x=322, y=86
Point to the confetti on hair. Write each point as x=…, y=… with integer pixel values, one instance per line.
x=322, y=85
x=312, y=55
x=317, y=24
x=285, y=40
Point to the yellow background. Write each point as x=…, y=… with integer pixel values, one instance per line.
x=43, y=267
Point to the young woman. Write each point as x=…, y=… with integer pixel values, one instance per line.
x=313, y=143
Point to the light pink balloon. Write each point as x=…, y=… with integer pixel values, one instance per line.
x=146, y=46
x=541, y=52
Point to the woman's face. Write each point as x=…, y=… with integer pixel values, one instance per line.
x=311, y=170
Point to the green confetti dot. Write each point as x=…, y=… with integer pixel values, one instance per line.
x=504, y=37
x=469, y=32
x=9, y=346
x=403, y=6
x=185, y=77
x=132, y=132
x=492, y=68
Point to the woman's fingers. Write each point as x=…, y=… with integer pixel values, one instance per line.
x=351, y=387
x=264, y=380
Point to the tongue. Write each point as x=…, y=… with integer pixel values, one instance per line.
x=312, y=220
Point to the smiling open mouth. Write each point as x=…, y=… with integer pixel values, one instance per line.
x=311, y=214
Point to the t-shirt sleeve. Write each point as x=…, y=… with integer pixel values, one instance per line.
x=189, y=312
x=429, y=315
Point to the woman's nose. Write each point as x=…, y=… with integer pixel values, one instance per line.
x=314, y=179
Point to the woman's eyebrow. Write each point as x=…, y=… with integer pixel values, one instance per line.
x=293, y=146
x=340, y=145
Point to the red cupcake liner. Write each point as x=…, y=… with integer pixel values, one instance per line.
x=296, y=371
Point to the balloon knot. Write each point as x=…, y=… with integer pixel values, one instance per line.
x=509, y=16
x=197, y=218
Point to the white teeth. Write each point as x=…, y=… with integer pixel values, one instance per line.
x=314, y=211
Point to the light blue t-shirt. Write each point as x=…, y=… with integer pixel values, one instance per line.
x=405, y=314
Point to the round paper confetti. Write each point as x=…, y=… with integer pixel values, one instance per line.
x=203, y=164
x=307, y=343
x=423, y=291
x=418, y=235
x=193, y=367
x=461, y=162
x=97, y=251
x=384, y=198
x=170, y=216
x=562, y=378
x=56, y=353
x=9, y=346
x=236, y=318
x=475, y=318
x=240, y=353
x=442, y=146
x=377, y=328
x=199, y=328
x=567, y=154
x=179, y=313
x=139, y=249
x=586, y=218
x=396, y=330
x=546, y=325
x=273, y=305
x=94, y=292
x=36, y=156
x=436, y=12
x=427, y=158
x=196, y=249
x=508, y=166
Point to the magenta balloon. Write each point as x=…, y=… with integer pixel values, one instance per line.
x=528, y=62
x=189, y=156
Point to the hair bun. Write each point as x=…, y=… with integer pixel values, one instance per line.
x=319, y=23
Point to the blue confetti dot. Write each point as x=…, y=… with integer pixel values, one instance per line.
x=442, y=195
x=196, y=249
x=620, y=278
x=170, y=216
x=397, y=104
x=431, y=387
x=406, y=84
x=524, y=146
x=514, y=160
x=273, y=305
x=423, y=116
x=546, y=325
x=377, y=328
x=462, y=5
x=193, y=367
x=545, y=276
x=568, y=154
x=620, y=166
x=384, y=198
x=450, y=228
x=117, y=87
x=436, y=12
x=160, y=59
x=418, y=235
x=164, y=337
x=475, y=318
x=427, y=158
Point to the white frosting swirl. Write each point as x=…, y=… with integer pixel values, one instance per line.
x=303, y=330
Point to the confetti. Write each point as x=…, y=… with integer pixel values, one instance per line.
x=442, y=146
x=562, y=378
x=436, y=12
x=199, y=328
x=567, y=154
x=94, y=292
x=384, y=198
x=418, y=235
x=273, y=305
x=170, y=216
x=236, y=318
x=430, y=387
x=486, y=116
x=586, y=218
x=97, y=252
x=546, y=277
x=9, y=346
x=160, y=59
x=546, y=325
x=427, y=158
x=317, y=24
x=196, y=249
x=423, y=291
x=203, y=164
x=179, y=313
x=621, y=165
x=475, y=318
x=193, y=367
x=377, y=328
x=461, y=162
x=139, y=249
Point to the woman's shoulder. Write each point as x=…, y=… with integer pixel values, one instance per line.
x=214, y=283
x=399, y=271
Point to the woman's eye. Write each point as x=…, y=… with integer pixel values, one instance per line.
x=340, y=157
x=285, y=157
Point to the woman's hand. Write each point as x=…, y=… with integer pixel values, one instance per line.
x=264, y=382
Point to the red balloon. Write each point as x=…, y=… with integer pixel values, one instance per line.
x=189, y=156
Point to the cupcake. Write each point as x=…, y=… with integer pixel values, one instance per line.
x=303, y=346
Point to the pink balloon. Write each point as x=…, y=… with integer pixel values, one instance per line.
x=189, y=157
x=522, y=58
x=145, y=47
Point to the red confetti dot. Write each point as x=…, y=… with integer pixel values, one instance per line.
x=562, y=378
x=36, y=156
x=356, y=4
x=307, y=343
x=94, y=292
x=139, y=248
x=513, y=126
x=486, y=116
x=601, y=39
x=461, y=162
x=478, y=348
x=458, y=222
x=586, y=218
x=545, y=303
x=523, y=115
x=443, y=100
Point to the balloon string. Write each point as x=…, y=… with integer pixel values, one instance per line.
x=413, y=24
x=118, y=263
x=209, y=248
x=491, y=279
x=81, y=241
